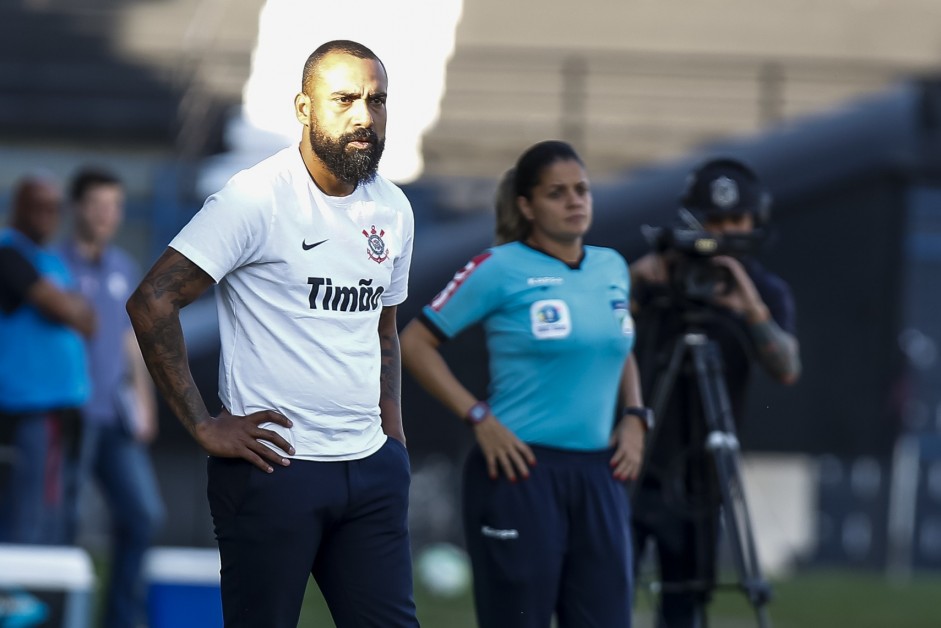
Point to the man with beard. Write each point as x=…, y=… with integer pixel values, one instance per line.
x=308, y=471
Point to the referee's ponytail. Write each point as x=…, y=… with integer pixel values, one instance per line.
x=511, y=226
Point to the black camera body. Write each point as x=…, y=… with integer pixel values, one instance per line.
x=694, y=278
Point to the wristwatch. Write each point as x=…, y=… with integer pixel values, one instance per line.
x=644, y=414
x=477, y=413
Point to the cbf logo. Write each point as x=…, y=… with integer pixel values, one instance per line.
x=550, y=319
x=375, y=245
x=547, y=315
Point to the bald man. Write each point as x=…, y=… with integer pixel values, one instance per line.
x=43, y=370
x=308, y=471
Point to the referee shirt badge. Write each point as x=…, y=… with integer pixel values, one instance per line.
x=375, y=246
x=550, y=319
x=622, y=314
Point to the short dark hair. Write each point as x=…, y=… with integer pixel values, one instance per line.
x=90, y=177
x=342, y=46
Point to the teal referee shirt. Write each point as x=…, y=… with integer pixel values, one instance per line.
x=558, y=337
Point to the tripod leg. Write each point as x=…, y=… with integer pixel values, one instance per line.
x=666, y=382
x=662, y=395
x=660, y=398
x=722, y=444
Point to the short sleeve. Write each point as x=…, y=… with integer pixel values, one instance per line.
x=228, y=231
x=780, y=302
x=472, y=294
x=622, y=269
x=398, y=286
x=17, y=276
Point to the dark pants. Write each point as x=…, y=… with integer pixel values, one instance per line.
x=346, y=523
x=123, y=470
x=685, y=546
x=39, y=488
x=556, y=543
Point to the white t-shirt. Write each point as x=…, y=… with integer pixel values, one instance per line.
x=302, y=279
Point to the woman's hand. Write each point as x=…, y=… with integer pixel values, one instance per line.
x=503, y=450
x=628, y=442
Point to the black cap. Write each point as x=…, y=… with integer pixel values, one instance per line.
x=726, y=186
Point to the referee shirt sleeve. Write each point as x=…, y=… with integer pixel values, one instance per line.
x=471, y=296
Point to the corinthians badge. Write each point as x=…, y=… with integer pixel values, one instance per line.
x=724, y=192
x=375, y=245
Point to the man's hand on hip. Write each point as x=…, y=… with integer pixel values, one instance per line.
x=230, y=436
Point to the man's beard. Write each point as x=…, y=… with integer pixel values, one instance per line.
x=350, y=165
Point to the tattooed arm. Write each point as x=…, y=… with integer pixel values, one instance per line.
x=778, y=351
x=390, y=375
x=173, y=283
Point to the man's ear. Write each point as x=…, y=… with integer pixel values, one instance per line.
x=302, y=108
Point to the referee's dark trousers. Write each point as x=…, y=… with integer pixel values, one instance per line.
x=557, y=543
x=343, y=522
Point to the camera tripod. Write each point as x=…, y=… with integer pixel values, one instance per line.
x=698, y=355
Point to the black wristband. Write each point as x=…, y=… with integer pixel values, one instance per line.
x=644, y=414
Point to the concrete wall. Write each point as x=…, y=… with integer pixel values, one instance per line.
x=634, y=81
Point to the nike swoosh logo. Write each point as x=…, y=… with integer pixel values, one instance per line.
x=308, y=247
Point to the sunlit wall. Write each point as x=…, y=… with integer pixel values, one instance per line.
x=414, y=50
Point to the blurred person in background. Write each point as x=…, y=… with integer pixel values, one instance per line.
x=308, y=471
x=750, y=315
x=551, y=538
x=43, y=370
x=121, y=415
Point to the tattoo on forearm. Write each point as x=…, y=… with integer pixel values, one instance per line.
x=173, y=281
x=777, y=350
x=160, y=337
x=390, y=374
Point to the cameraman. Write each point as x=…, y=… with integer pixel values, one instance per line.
x=749, y=313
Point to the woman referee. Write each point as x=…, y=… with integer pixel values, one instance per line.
x=551, y=538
